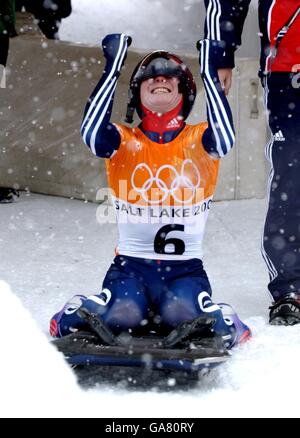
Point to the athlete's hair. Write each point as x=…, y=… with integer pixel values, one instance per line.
x=161, y=63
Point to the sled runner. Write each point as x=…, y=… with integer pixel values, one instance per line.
x=190, y=347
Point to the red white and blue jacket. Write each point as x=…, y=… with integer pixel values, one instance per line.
x=225, y=20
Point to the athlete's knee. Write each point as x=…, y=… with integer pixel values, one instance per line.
x=175, y=310
x=178, y=308
x=120, y=311
x=125, y=314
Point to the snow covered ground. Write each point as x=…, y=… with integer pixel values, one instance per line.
x=52, y=248
x=153, y=24
x=154, y=21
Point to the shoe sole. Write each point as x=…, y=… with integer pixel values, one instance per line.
x=285, y=320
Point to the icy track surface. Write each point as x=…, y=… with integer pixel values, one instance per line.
x=52, y=248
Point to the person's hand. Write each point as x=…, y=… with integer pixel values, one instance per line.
x=225, y=78
x=211, y=51
x=115, y=45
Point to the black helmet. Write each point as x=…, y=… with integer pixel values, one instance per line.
x=161, y=63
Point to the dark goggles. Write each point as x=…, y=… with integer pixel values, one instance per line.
x=158, y=67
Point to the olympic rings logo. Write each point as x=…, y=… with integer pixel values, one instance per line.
x=180, y=182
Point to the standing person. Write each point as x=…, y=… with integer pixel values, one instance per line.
x=7, y=28
x=48, y=14
x=162, y=174
x=279, y=63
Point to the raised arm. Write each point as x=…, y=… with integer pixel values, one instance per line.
x=101, y=136
x=219, y=137
x=224, y=22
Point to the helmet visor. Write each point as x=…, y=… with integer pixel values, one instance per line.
x=158, y=66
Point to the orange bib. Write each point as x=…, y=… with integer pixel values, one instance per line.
x=162, y=193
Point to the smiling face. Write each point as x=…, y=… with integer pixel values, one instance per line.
x=160, y=94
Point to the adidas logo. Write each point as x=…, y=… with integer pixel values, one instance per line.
x=173, y=124
x=279, y=136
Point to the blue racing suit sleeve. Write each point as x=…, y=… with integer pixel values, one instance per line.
x=224, y=22
x=219, y=137
x=101, y=136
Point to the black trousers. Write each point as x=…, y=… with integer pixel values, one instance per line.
x=4, y=46
x=281, y=240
